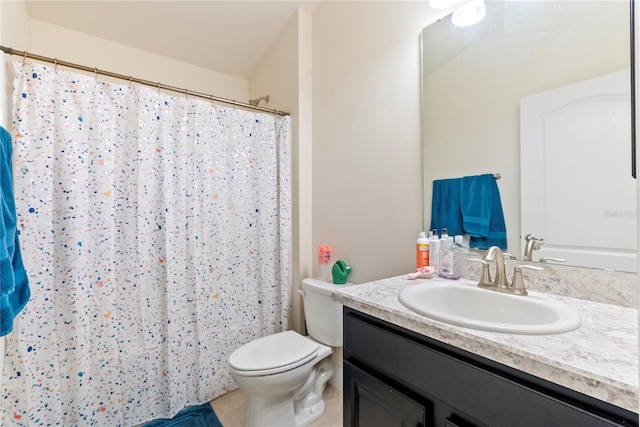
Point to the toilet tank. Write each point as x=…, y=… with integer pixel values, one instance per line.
x=322, y=315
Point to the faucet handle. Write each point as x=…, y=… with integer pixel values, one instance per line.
x=532, y=237
x=485, y=275
x=551, y=258
x=518, y=281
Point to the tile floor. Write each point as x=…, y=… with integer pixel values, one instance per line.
x=231, y=409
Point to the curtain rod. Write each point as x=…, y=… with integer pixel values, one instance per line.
x=130, y=79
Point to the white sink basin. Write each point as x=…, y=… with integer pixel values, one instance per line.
x=464, y=304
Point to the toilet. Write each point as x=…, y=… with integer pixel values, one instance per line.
x=285, y=374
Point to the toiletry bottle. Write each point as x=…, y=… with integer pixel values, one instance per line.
x=444, y=236
x=446, y=254
x=434, y=251
x=459, y=246
x=422, y=250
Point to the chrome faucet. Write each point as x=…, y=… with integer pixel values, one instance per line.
x=500, y=283
x=494, y=252
x=532, y=244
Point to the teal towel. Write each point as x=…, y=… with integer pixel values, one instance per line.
x=194, y=416
x=445, y=206
x=483, y=217
x=14, y=286
x=476, y=203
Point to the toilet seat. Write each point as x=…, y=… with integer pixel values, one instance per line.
x=273, y=354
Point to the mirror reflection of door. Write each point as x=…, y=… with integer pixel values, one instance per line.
x=577, y=192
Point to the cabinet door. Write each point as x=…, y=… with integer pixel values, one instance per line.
x=369, y=402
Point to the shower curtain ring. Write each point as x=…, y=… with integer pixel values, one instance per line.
x=24, y=58
x=95, y=73
x=55, y=64
x=158, y=86
x=130, y=80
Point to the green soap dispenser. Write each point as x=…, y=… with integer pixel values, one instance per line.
x=340, y=271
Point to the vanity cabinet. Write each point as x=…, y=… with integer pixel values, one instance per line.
x=396, y=377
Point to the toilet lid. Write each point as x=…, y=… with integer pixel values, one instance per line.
x=281, y=351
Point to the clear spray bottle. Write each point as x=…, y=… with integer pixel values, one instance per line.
x=446, y=253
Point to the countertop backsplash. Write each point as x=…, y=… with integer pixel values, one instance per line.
x=605, y=286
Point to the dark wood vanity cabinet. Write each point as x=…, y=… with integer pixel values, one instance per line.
x=395, y=377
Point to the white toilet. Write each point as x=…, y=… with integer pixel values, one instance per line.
x=285, y=373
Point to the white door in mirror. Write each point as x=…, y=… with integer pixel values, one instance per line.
x=577, y=190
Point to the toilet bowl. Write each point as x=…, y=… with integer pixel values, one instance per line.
x=285, y=374
x=281, y=376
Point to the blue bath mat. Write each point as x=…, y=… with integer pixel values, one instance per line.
x=194, y=416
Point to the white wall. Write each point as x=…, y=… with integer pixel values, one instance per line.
x=367, y=161
x=72, y=46
x=285, y=75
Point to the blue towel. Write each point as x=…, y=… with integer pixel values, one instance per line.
x=14, y=286
x=481, y=207
x=476, y=203
x=194, y=416
x=445, y=206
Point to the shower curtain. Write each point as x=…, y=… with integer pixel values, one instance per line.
x=156, y=234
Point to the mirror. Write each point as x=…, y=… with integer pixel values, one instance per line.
x=474, y=81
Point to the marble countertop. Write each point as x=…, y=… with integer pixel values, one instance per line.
x=600, y=359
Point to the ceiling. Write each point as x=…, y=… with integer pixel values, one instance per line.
x=229, y=36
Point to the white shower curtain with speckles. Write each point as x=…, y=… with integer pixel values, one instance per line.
x=156, y=233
